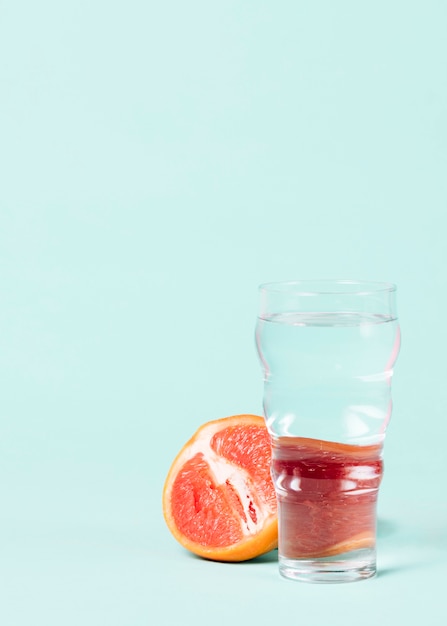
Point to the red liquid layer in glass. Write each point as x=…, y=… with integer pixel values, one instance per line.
x=327, y=494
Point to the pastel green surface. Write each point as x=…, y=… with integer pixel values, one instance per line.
x=158, y=161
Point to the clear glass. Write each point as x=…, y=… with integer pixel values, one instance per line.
x=327, y=348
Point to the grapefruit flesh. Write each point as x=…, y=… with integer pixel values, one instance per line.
x=218, y=499
x=327, y=496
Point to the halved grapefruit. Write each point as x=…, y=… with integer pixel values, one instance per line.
x=218, y=499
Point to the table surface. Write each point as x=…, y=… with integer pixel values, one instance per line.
x=90, y=546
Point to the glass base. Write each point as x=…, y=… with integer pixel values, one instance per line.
x=342, y=568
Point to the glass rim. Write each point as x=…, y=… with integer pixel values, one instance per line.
x=309, y=287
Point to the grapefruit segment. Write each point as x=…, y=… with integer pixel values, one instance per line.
x=218, y=499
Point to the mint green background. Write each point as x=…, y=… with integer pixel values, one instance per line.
x=157, y=162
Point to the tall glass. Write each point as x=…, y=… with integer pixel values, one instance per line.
x=327, y=348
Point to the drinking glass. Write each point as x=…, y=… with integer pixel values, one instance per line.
x=327, y=348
